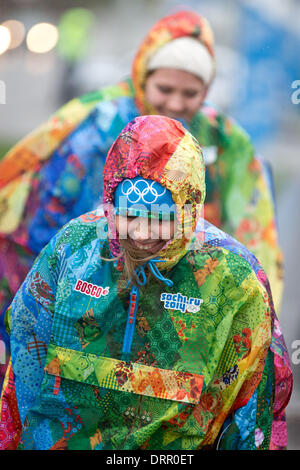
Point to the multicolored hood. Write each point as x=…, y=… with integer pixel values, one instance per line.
x=160, y=149
x=180, y=24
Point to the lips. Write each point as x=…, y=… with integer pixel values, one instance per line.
x=148, y=245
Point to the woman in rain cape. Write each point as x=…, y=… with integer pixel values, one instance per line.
x=51, y=176
x=180, y=348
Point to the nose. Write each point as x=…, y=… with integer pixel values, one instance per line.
x=175, y=103
x=139, y=229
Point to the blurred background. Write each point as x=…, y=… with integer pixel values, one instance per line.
x=53, y=51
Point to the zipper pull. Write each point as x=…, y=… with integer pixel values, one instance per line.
x=129, y=331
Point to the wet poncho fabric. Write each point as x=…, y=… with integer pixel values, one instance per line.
x=206, y=364
x=52, y=175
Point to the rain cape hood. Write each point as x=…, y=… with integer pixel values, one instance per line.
x=160, y=149
x=206, y=363
x=181, y=24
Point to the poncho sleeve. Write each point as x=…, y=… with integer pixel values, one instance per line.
x=250, y=381
x=28, y=320
x=258, y=228
x=259, y=423
x=50, y=177
x=240, y=193
x=41, y=182
x=19, y=176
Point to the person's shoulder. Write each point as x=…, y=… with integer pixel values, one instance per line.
x=230, y=253
x=84, y=237
x=81, y=231
x=113, y=108
x=222, y=121
x=108, y=93
x=101, y=105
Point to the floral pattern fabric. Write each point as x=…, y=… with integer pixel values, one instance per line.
x=52, y=175
x=191, y=378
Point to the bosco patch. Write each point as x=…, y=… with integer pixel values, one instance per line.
x=90, y=289
x=181, y=302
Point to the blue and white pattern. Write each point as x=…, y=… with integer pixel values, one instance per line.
x=143, y=195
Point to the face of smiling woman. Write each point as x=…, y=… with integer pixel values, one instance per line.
x=148, y=235
x=175, y=93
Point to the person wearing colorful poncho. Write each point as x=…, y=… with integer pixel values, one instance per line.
x=52, y=175
x=127, y=336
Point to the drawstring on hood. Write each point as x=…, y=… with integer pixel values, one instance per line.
x=141, y=279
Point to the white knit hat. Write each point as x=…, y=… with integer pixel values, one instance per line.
x=186, y=54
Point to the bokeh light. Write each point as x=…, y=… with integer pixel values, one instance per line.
x=42, y=37
x=5, y=39
x=17, y=32
x=75, y=29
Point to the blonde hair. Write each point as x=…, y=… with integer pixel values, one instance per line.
x=133, y=258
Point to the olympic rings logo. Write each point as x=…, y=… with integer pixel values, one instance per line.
x=137, y=191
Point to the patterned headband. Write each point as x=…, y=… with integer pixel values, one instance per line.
x=141, y=197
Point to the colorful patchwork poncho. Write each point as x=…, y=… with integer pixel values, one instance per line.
x=52, y=175
x=206, y=365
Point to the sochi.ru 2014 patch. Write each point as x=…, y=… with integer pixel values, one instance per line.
x=181, y=302
x=90, y=289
